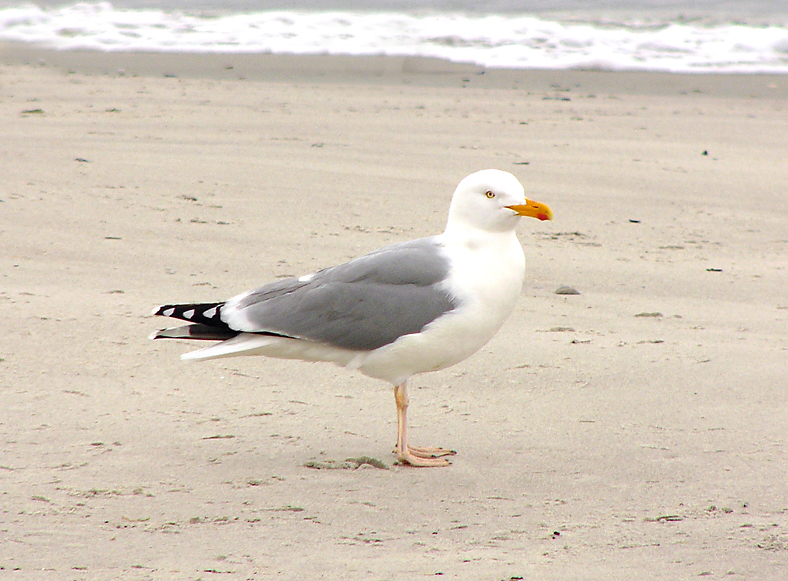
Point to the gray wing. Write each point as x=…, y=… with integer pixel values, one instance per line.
x=359, y=305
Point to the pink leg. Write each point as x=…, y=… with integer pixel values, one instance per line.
x=405, y=453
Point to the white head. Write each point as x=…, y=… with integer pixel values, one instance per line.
x=492, y=200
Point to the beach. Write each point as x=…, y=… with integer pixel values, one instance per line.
x=636, y=430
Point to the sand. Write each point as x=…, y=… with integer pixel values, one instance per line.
x=636, y=430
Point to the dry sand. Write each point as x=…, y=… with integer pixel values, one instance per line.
x=634, y=431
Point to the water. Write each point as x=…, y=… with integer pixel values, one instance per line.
x=651, y=35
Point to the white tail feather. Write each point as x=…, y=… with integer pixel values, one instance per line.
x=280, y=347
x=243, y=344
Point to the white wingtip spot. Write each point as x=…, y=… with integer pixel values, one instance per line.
x=168, y=312
x=210, y=313
x=188, y=314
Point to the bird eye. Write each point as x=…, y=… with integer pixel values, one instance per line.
x=489, y=194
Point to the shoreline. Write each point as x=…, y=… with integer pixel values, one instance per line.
x=390, y=70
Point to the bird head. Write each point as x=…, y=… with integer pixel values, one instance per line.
x=492, y=200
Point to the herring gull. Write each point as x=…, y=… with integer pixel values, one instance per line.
x=405, y=309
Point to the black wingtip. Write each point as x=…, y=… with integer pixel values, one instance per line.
x=204, y=313
x=198, y=332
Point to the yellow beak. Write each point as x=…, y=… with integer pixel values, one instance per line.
x=533, y=210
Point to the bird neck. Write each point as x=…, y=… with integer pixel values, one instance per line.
x=461, y=233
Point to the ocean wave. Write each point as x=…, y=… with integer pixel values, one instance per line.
x=494, y=41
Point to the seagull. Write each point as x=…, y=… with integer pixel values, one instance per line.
x=408, y=308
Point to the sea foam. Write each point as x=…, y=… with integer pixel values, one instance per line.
x=495, y=41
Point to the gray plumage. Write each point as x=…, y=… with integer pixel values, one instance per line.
x=360, y=305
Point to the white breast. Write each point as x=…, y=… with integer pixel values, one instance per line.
x=486, y=279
